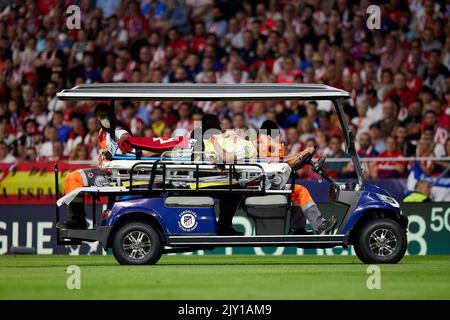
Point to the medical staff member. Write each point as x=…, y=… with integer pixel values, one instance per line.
x=304, y=205
x=110, y=143
x=421, y=192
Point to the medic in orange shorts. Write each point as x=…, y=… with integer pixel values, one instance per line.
x=304, y=206
x=108, y=143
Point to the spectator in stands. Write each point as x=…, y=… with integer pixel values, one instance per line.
x=388, y=168
x=401, y=90
x=46, y=148
x=362, y=121
x=374, y=107
x=227, y=42
x=390, y=120
x=341, y=168
x=403, y=143
x=366, y=148
x=80, y=152
x=413, y=122
x=5, y=156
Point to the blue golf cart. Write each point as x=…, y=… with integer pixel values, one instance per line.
x=159, y=205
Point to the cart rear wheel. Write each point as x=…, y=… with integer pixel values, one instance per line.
x=381, y=241
x=137, y=243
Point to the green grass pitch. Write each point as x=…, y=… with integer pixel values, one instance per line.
x=223, y=277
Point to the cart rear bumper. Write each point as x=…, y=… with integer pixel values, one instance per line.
x=100, y=234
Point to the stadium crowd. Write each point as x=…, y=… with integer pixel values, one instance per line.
x=398, y=75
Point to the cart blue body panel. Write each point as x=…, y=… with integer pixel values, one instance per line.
x=169, y=218
x=372, y=198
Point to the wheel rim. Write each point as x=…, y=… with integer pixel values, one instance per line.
x=136, y=244
x=383, y=242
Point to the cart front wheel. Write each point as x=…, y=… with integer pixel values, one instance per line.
x=137, y=243
x=381, y=241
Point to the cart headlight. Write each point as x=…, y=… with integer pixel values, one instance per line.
x=389, y=200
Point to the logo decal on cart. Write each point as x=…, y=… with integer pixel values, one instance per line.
x=188, y=220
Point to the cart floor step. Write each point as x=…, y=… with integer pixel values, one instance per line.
x=275, y=240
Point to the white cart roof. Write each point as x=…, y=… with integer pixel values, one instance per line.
x=186, y=92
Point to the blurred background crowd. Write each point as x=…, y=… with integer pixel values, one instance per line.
x=398, y=75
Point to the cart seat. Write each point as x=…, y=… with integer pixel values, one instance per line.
x=269, y=213
x=189, y=202
x=269, y=200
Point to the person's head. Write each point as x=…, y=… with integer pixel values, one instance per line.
x=361, y=108
x=400, y=133
x=424, y=147
x=430, y=118
x=423, y=187
x=51, y=89
x=389, y=109
x=76, y=121
x=102, y=114
x=88, y=61
x=311, y=109
x=322, y=138
x=30, y=127
x=80, y=152
x=372, y=98
x=184, y=110
x=324, y=119
x=335, y=145
x=3, y=150
x=391, y=145
x=58, y=148
x=427, y=133
x=50, y=133
x=400, y=81
x=292, y=135
x=210, y=121
x=386, y=76
x=31, y=154
x=365, y=141
x=238, y=121
x=391, y=43
x=375, y=131
x=269, y=128
x=415, y=108
x=144, y=54
x=36, y=107
x=305, y=125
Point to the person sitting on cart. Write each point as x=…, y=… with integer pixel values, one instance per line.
x=304, y=205
x=111, y=142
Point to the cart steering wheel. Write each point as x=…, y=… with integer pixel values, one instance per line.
x=306, y=159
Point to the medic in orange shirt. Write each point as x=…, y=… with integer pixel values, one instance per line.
x=109, y=143
x=304, y=205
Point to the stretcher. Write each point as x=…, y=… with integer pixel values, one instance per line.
x=176, y=168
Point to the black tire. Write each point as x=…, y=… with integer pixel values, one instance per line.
x=370, y=251
x=148, y=251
